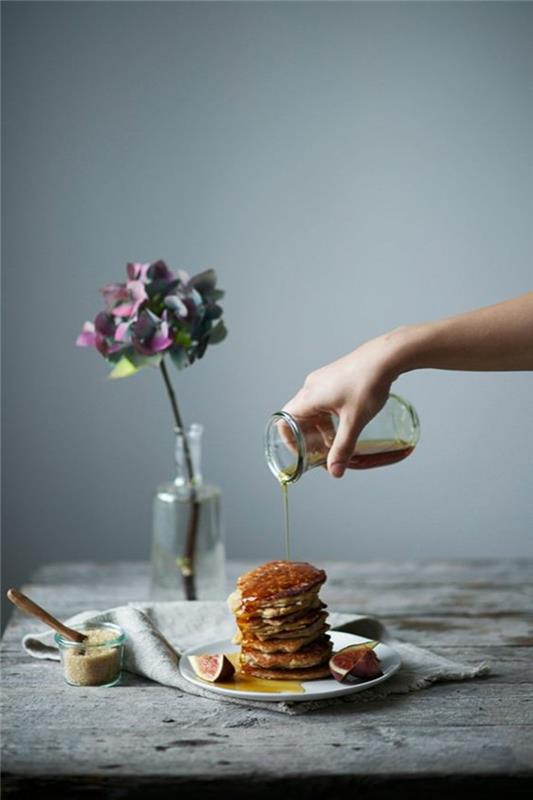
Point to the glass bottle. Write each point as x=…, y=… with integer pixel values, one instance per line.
x=188, y=555
x=294, y=445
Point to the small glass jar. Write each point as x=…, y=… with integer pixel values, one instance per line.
x=98, y=660
x=295, y=445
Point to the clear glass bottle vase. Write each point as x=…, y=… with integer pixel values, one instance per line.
x=188, y=556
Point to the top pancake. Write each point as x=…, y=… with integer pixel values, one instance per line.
x=276, y=581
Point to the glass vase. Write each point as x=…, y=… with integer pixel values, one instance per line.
x=188, y=555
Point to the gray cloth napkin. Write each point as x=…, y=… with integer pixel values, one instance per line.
x=158, y=632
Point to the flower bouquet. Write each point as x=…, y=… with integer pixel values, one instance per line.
x=155, y=314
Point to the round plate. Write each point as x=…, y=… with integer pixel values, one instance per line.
x=312, y=690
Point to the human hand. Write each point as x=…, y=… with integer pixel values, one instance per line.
x=355, y=388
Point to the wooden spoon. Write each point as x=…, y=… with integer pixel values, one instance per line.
x=29, y=607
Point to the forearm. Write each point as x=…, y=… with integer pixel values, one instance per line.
x=498, y=337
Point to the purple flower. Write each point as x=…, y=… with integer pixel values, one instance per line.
x=155, y=312
x=99, y=334
x=150, y=334
x=104, y=323
x=158, y=271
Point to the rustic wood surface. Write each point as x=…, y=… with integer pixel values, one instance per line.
x=142, y=740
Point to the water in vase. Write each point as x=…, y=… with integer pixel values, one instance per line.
x=188, y=556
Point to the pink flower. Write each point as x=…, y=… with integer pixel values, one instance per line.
x=100, y=335
x=138, y=272
x=113, y=293
x=124, y=299
x=87, y=337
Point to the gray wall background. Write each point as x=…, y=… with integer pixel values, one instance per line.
x=346, y=167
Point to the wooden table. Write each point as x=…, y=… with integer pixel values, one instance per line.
x=142, y=740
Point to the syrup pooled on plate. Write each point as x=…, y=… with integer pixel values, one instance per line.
x=240, y=682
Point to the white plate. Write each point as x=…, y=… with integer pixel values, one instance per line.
x=313, y=690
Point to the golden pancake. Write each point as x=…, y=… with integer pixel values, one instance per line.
x=281, y=633
x=276, y=581
x=310, y=674
x=317, y=652
x=314, y=606
x=272, y=626
x=288, y=645
x=280, y=620
x=277, y=608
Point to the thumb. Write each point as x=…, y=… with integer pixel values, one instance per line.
x=343, y=445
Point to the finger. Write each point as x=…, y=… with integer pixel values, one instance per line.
x=287, y=436
x=299, y=405
x=315, y=425
x=324, y=423
x=315, y=432
x=343, y=445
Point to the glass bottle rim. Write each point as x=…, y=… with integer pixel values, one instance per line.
x=298, y=436
x=83, y=627
x=194, y=430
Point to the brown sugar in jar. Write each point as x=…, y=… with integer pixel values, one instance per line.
x=98, y=660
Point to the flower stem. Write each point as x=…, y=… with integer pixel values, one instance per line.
x=187, y=562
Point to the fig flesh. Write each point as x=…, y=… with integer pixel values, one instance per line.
x=355, y=662
x=212, y=667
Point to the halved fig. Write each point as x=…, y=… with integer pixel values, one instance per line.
x=357, y=661
x=212, y=668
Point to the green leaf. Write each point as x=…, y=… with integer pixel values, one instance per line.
x=123, y=369
x=180, y=358
x=213, y=295
x=204, y=282
x=138, y=360
x=182, y=338
x=114, y=357
x=218, y=333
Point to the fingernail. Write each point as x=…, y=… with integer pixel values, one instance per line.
x=337, y=470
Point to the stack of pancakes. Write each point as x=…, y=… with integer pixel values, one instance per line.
x=282, y=622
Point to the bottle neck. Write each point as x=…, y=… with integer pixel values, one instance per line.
x=188, y=457
x=285, y=447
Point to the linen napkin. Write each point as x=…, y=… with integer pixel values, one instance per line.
x=158, y=632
